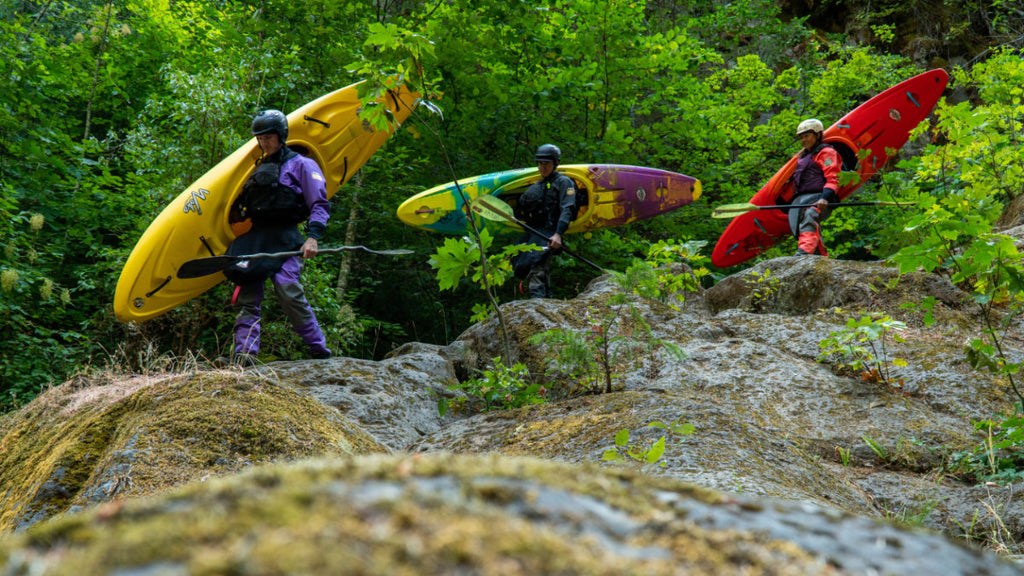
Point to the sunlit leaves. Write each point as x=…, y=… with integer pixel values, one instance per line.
x=977, y=167
x=459, y=258
x=857, y=75
x=863, y=345
x=499, y=388
x=455, y=259
x=626, y=450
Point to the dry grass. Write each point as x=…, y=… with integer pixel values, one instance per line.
x=989, y=530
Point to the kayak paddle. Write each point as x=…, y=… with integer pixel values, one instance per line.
x=734, y=210
x=213, y=264
x=494, y=208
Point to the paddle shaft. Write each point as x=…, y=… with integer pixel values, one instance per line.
x=289, y=254
x=397, y=252
x=780, y=206
x=533, y=230
x=213, y=264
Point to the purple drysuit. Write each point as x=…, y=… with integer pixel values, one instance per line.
x=302, y=175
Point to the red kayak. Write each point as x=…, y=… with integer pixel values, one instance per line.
x=872, y=132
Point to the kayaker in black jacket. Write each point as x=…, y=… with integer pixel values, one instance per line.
x=549, y=205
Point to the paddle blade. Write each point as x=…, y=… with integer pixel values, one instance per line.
x=205, y=266
x=492, y=208
x=732, y=210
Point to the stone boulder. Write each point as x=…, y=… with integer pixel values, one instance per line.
x=451, y=514
x=799, y=454
x=92, y=441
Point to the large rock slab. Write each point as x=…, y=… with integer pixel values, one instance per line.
x=805, y=284
x=88, y=442
x=395, y=400
x=448, y=514
x=770, y=419
x=724, y=452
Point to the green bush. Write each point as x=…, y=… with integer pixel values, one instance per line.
x=500, y=388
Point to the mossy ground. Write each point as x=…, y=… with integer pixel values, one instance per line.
x=87, y=442
x=429, y=514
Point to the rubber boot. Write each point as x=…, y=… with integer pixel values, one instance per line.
x=810, y=243
x=314, y=338
x=809, y=239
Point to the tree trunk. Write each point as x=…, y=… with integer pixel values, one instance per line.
x=96, y=71
x=350, y=237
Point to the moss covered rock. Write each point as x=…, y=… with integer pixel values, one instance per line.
x=91, y=441
x=448, y=514
x=770, y=418
x=770, y=421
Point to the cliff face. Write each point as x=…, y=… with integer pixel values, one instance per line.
x=932, y=35
x=792, y=467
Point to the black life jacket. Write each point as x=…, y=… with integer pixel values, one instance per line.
x=268, y=202
x=275, y=210
x=539, y=205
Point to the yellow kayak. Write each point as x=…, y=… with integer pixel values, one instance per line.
x=195, y=224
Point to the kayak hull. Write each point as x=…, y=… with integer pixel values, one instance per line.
x=611, y=195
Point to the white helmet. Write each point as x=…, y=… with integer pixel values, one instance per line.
x=810, y=125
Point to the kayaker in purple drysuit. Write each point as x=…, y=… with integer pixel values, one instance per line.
x=285, y=190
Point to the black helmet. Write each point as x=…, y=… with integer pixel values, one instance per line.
x=548, y=152
x=271, y=121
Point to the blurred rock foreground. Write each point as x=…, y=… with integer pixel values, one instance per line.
x=345, y=466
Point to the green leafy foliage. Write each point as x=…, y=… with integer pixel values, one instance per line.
x=461, y=258
x=617, y=336
x=34, y=300
x=398, y=58
x=964, y=183
x=627, y=451
x=1000, y=458
x=863, y=347
x=844, y=455
x=962, y=188
x=899, y=455
x=657, y=277
x=499, y=388
x=763, y=287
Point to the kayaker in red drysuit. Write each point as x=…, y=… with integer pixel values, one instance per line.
x=285, y=190
x=815, y=181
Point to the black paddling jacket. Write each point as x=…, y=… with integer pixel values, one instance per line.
x=549, y=204
x=276, y=208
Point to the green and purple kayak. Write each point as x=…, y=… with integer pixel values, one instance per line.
x=609, y=195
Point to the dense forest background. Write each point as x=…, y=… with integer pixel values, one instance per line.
x=109, y=109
